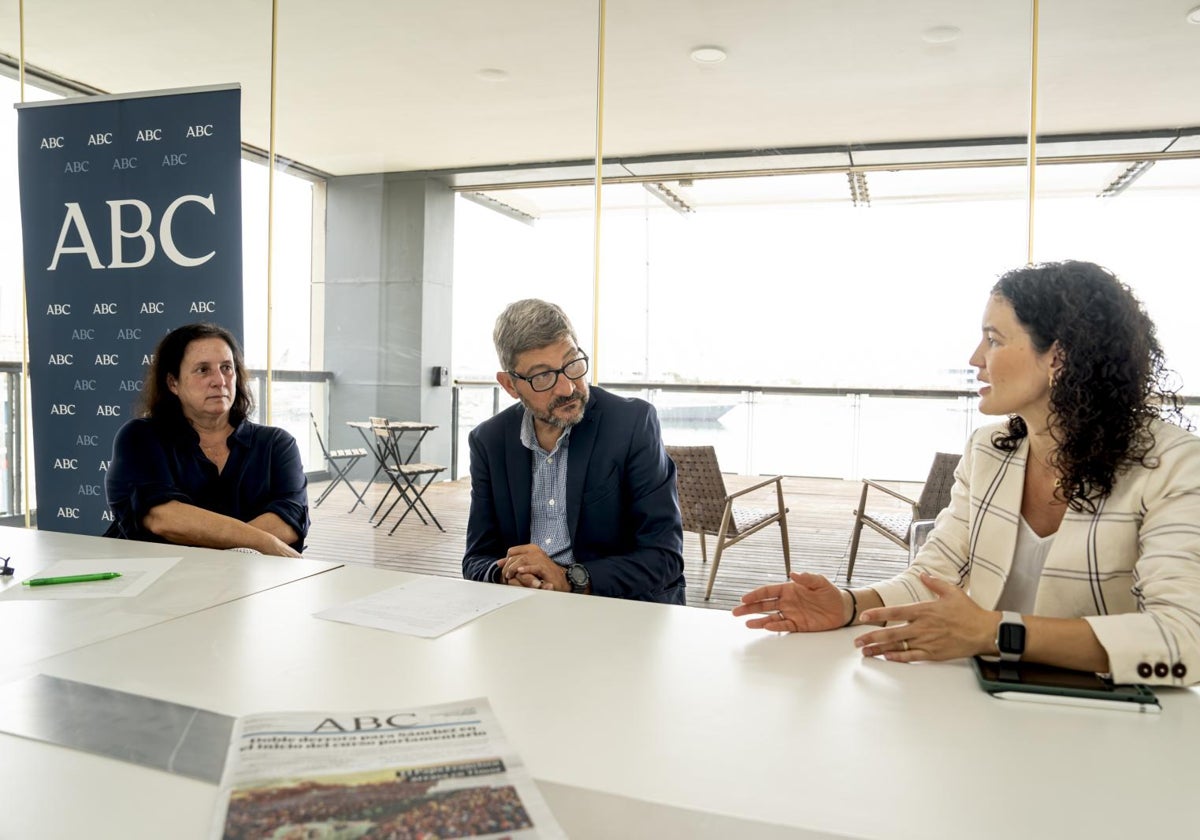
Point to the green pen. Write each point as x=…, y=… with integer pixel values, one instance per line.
x=71, y=579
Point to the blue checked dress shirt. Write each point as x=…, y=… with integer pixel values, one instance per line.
x=548, y=503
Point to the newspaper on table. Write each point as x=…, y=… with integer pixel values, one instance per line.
x=433, y=771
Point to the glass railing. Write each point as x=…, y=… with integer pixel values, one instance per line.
x=828, y=432
x=296, y=396
x=10, y=438
x=849, y=433
x=295, y=393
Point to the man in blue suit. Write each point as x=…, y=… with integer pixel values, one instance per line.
x=571, y=489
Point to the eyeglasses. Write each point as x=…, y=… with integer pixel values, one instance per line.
x=547, y=379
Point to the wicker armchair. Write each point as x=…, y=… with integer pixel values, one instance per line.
x=708, y=509
x=901, y=528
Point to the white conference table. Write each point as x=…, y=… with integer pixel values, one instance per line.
x=36, y=629
x=638, y=720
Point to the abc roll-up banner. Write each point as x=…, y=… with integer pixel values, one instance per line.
x=132, y=226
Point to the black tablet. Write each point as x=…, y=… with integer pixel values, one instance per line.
x=1028, y=680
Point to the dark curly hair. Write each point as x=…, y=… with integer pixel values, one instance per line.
x=1113, y=378
x=157, y=400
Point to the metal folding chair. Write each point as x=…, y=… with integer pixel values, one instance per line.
x=340, y=462
x=407, y=479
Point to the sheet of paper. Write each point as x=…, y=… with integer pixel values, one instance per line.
x=426, y=608
x=137, y=574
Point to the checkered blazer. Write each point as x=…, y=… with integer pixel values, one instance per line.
x=1132, y=568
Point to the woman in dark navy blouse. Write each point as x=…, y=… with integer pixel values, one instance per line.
x=193, y=470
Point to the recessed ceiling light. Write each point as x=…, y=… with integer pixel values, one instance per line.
x=492, y=74
x=708, y=55
x=940, y=34
x=1194, y=15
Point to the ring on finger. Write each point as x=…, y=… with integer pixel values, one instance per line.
x=904, y=642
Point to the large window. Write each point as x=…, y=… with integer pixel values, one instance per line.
x=784, y=282
x=1145, y=234
x=12, y=330
x=291, y=301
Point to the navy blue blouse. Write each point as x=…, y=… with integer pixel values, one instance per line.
x=155, y=462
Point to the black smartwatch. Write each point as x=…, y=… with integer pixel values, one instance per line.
x=578, y=577
x=1010, y=637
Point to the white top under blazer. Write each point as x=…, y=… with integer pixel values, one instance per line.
x=1131, y=569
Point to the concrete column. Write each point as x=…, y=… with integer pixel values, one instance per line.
x=389, y=260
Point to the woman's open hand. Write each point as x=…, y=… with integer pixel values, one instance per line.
x=949, y=627
x=805, y=604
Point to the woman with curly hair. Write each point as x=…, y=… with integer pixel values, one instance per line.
x=1073, y=533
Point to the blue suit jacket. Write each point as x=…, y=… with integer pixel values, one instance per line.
x=622, y=506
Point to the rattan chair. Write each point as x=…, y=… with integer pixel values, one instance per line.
x=708, y=509
x=901, y=527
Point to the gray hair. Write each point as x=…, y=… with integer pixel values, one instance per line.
x=528, y=325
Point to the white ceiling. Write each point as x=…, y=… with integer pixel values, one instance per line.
x=369, y=86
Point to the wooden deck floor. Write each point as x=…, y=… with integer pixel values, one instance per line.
x=819, y=521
